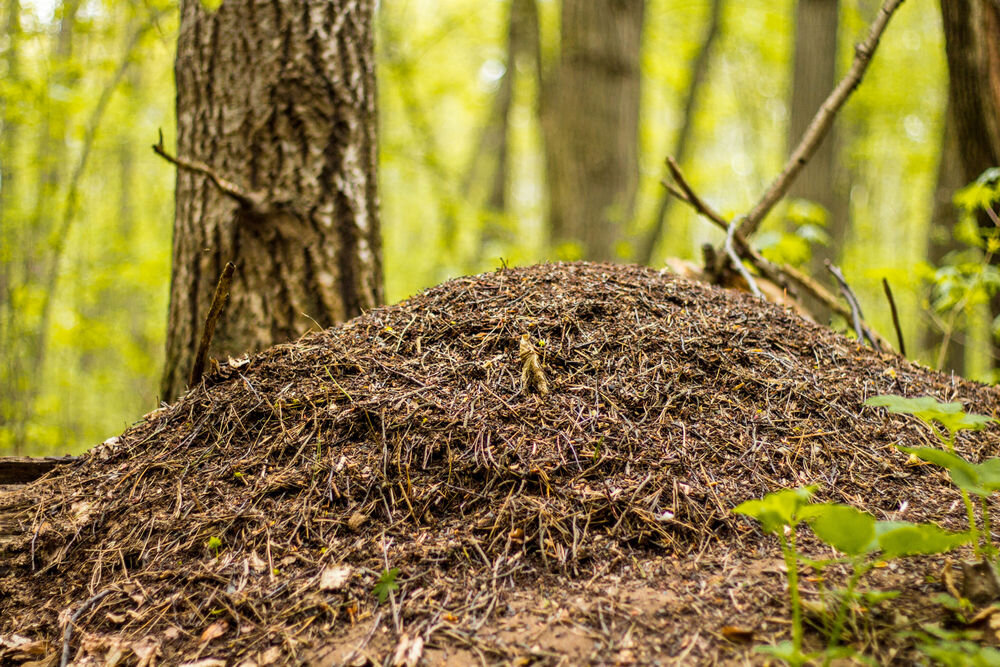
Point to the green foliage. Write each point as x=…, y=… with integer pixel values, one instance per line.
x=386, y=584
x=854, y=533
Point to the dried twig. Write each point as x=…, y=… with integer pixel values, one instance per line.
x=737, y=262
x=822, y=121
x=895, y=316
x=218, y=304
x=860, y=330
x=255, y=201
x=68, y=632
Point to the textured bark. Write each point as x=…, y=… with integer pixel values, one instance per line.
x=279, y=98
x=941, y=239
x=972, y=45
x=814, y=76
x=590, y=117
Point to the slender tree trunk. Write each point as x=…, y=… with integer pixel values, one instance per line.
x=814, y=76
x=972, y=45
x=590, y=117
x=10, y=229
x=279, y=98
x=941, y=240
x=699, y=74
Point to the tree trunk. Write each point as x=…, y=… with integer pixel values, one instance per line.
x=590, y=117
x=814, y=76
x=279, y=99
x=972, y=45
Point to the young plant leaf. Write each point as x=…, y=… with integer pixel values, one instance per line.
x=928, y=409
x=779, y=509
x=844, y=528
x=386, y=584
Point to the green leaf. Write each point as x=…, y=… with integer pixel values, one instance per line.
x=386, y=584
x=786, y=652
x=928, y=409
x=779, y=509
x=844, y=528
x=897, y=538
x=214, y=543
x=211, y=5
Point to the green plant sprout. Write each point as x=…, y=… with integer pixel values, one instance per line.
x=852, y=532
x=214, y=544
x=386, y=584
x=982, y=479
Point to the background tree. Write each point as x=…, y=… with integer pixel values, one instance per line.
x=814, y=76
x=277, y=98
x=972, y=44
x=590, y=116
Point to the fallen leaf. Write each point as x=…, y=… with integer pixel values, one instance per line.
x=214, y=631
x=737, y=634
x=356, y=521
x=334, y=577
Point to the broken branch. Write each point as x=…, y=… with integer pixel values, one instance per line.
x=895, y=316
x=254, y=201
x=860, y=330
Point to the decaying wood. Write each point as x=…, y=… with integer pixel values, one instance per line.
x=218, y=305
x=24, y=469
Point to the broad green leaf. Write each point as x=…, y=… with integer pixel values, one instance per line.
x=786, y=652
x=843, y=527
x=779, y=509
x=913, y=539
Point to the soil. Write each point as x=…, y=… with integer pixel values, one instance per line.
x=545, y=457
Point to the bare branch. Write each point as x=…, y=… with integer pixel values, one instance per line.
x=895, y=316
x=822, y=121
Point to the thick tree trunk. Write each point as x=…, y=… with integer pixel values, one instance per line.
x=278, y=98
x=972, y=45
x=814, y=76
x=590, y=117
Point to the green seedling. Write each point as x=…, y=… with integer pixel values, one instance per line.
x=214, y=544
x=778, y=514
x=969, y=478
x=954, y=648
x=386, y=584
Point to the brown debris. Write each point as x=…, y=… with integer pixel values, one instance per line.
x=251, y=520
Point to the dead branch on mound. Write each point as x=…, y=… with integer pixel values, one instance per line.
x=822, y=121
x=895, y=316
x=218, y=305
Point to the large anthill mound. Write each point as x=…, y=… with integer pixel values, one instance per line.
x=578, y=510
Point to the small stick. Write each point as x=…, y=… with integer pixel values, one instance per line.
x=895, y=316
x=68, y=633
x=218, y=305
x=822, y=121
x=858, y=318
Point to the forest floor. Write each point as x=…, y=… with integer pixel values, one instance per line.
x=545, y=459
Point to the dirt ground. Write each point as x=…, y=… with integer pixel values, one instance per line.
x=547, y=457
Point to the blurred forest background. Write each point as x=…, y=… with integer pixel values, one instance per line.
x=86, y=208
